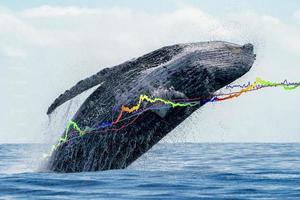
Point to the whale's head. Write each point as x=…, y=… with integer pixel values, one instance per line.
x=189, y=70
x=203, y=68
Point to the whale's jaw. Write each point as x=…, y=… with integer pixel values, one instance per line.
x=179, y=71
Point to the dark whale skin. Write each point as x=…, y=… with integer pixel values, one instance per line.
x=178, y=71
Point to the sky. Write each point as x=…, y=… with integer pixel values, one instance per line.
x=48, y=46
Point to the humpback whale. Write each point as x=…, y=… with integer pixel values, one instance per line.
x=181, y=71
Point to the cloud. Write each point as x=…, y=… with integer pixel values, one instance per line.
x=93, y=34
x=297, y=15
x=13, y=52
x=56, y=11
x=55, y=46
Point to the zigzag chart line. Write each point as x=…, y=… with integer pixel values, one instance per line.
x=258, y=84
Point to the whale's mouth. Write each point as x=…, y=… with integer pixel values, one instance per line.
x=244, y=58
x=202, y=73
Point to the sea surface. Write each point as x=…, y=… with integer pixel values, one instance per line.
x=168, y=171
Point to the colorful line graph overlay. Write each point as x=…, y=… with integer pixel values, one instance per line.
x=137, y=111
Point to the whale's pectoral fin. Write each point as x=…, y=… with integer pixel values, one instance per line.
x=165, y=93
x=80, y=87
x=162, y=111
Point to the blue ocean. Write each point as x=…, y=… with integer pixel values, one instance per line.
x=168, y=171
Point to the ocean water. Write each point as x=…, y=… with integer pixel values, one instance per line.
x=168, y=171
